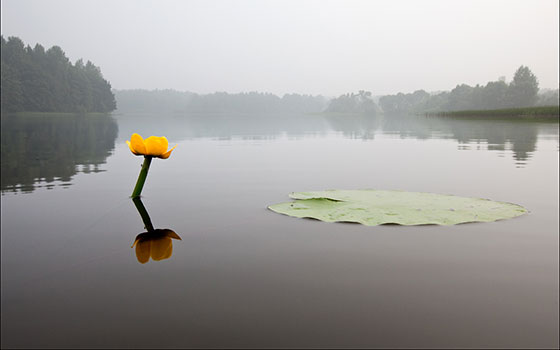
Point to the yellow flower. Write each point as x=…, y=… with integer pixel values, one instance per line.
x=152, y=146
x=155, y=244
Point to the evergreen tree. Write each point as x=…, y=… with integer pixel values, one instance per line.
x=35, y=80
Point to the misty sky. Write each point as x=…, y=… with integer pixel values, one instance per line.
x=314, y=47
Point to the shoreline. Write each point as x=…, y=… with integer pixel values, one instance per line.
x=548, y=113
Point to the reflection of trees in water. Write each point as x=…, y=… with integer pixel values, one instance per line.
x=495, y=135
x=256, y=126
x=48, y=148
x=222, y=126
x=410, y=127
x=519, y=136
x=354, y=126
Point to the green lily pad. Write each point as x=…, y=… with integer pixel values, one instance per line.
x=374, y=207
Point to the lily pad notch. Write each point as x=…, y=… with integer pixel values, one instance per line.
x=378, y=207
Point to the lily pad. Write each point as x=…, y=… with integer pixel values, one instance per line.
x=376, y=207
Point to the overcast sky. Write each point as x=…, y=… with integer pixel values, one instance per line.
x=314, y=47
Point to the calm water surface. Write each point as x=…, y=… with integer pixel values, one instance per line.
x=243, y=276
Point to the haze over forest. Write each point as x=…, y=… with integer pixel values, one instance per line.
x=325, y=48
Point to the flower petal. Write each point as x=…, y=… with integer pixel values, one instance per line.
x=171, y=234
x=168, y=252
x=137, y=144
x=132, y=149
x=143, y=248
x=156, y=146
x=168, y=153
x=161, y=248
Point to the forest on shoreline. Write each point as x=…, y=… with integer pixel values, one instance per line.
x=522, y=92
x=39, y=80
x=139, y=100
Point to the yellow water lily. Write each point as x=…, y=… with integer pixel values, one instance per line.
x=153, y=146
x=156, y=244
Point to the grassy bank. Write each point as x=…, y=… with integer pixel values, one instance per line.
x=550, y=113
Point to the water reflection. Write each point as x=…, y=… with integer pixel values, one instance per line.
x=354, y=126
x=223, y=126
x=519, y=137
x=155, y=243
x=48, y=150
x=516, y=136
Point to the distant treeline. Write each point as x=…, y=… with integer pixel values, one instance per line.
x=219, y=102
x=360, y=103
x=39, y=80
x=522, y=91
x=495, y=95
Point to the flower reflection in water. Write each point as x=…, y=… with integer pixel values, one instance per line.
x=155, y=243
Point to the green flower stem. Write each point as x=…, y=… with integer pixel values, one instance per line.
x=142, y=177
x=143, y=213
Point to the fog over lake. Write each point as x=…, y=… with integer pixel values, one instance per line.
x=145, y=145
x=284, y=46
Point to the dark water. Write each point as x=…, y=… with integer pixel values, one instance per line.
x=243, y=276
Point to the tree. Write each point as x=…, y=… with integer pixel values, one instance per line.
x=494, y=95
x=522, y=91
x=548, y=98
x=460, y=98
x=10, y=90
x=360, y=103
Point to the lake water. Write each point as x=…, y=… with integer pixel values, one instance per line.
x=243, y=276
